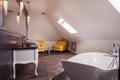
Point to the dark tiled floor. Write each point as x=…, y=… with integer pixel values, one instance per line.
x=49, y=66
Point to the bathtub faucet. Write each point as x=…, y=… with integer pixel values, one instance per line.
x=115, y=54
x=115, y=50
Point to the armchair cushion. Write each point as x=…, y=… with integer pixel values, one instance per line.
x=60, y=46
x=41, y=46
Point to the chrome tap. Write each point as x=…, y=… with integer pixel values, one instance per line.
x=115, y=54
x=115, y=50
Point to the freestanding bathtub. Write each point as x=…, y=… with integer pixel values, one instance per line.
x=92, y=66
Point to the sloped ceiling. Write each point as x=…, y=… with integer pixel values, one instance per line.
x=39, y=28
x=93, y=19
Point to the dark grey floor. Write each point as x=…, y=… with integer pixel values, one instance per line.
x=49, y=66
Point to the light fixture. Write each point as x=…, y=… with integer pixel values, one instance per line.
x=21, y=7
x=28, y=19
x=28, y=1
x=18, y=19
x=5, y=6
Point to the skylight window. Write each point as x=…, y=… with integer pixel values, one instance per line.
x=68, y=27
x=116, y=4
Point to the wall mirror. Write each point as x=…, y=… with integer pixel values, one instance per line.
x=1, y=15
x=11, y=21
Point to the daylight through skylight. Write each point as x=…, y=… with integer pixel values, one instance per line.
x=69, y=28
x=116, y=4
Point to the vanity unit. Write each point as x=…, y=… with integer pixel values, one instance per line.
x=8, y=40
x=24, y=56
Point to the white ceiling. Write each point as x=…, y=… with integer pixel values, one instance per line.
x=40, y=28
x=93, y=19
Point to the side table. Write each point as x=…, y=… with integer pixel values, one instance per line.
x=24, y=56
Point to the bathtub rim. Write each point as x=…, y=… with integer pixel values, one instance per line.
x=84, y=53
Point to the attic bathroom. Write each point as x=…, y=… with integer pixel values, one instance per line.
x=59, y=39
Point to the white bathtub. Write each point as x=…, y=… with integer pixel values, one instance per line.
x=91, y=66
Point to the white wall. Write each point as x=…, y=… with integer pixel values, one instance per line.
x=49, y=45
x=94, y=46
x=40, y=28
x=97, y=23
x=1, y=15
x=93, y=19
x=10, y=21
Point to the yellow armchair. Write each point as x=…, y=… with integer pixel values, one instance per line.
x=60, y=46
x=41, y=46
